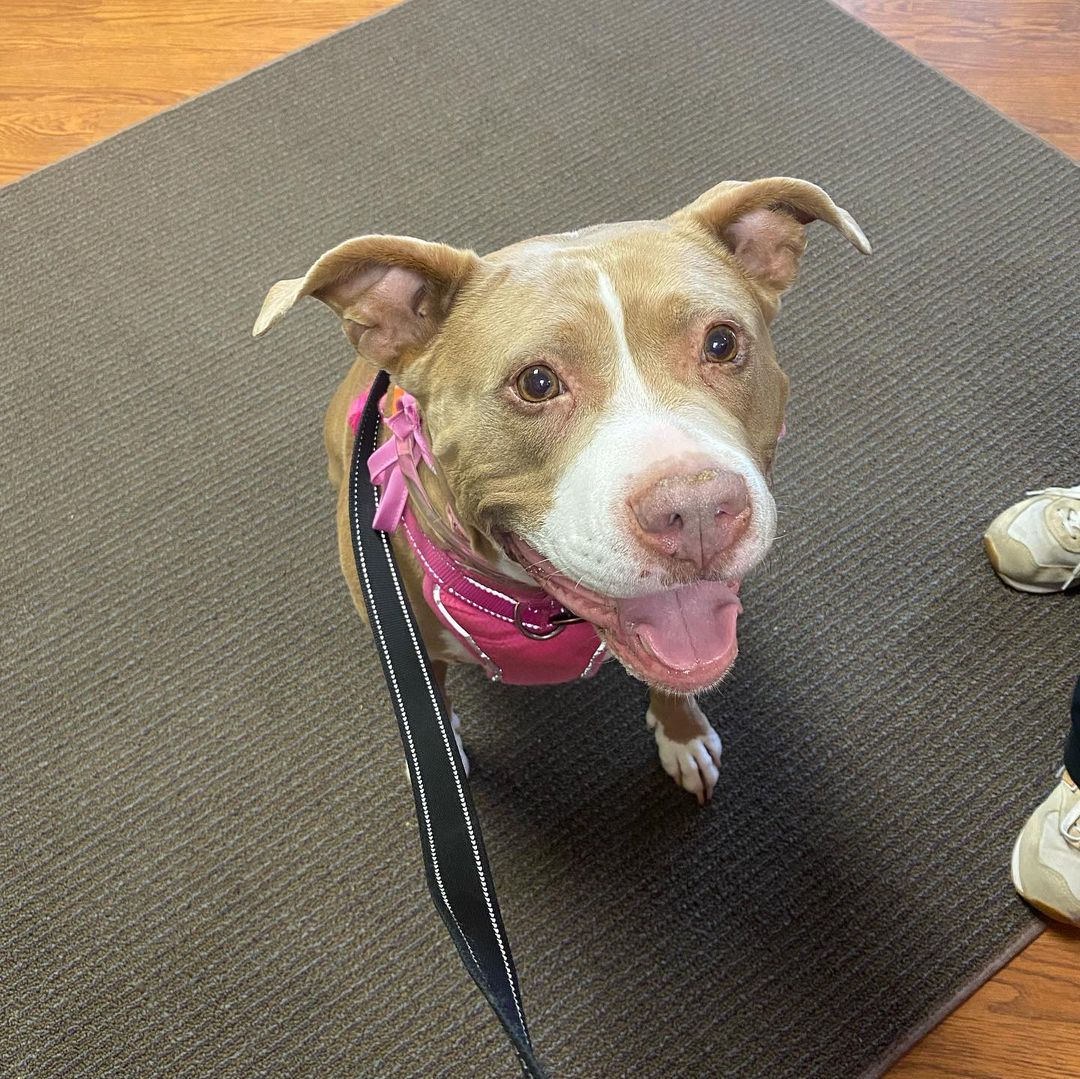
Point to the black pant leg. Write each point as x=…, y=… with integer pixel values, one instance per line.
x=1072, y=740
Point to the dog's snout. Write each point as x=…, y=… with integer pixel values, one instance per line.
x=692, y=517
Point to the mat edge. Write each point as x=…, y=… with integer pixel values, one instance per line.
x=998, y=962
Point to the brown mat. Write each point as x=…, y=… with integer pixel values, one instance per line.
x=208, y=860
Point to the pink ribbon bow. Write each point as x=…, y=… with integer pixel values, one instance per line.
x=396, y=460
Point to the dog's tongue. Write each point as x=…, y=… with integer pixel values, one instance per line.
x=685, y=628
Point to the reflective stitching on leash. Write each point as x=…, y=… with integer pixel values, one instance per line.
x=408, y=730
x=451, y=754
x=453, y=757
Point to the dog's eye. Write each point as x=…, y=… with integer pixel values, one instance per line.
x=538, y=384
x=721, y=345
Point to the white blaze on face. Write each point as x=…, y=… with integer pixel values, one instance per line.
x=586, y=534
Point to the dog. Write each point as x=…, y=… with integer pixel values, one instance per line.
x=576, y=456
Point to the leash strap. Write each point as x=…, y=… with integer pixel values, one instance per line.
x=458, y=873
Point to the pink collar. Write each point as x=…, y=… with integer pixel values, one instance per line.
x=535, y=614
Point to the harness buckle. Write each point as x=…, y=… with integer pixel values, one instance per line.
x=558, y=624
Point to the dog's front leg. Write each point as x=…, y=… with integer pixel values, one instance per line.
x=689, y=747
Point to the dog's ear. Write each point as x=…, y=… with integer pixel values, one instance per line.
x=762, y=225
x=391, y=292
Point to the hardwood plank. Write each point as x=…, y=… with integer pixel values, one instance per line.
x=1022, y=1024
x=74, y=71
x=1021, y=56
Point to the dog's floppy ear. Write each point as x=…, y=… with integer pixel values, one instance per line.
x=391, y=292
x=761, y=223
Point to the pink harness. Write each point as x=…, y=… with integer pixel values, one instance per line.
x=515, y=633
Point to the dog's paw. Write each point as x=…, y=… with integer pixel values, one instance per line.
x=455, y=723
x=694, y=765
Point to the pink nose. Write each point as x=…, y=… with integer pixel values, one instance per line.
x=692, y=518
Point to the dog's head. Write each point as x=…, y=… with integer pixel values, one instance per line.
x=604, y=405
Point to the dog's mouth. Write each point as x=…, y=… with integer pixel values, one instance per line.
x=681, y=639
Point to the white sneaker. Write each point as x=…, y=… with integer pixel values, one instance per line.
x=1046, y=855
x=1035, y=545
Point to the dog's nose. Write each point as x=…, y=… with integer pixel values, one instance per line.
x=693, y=518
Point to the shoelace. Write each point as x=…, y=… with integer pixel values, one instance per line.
x=1068, y=823
x=1070, y=520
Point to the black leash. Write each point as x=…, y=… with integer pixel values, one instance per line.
x=458, y=873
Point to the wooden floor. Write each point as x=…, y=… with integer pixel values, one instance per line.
x=74, y=71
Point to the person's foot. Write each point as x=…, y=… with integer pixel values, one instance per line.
x=1046, y=855
x=1035, y=544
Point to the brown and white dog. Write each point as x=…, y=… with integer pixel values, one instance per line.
x=603, y=407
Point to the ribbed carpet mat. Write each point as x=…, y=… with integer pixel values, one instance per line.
x=208, y=859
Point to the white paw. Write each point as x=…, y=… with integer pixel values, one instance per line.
x=694, y=765
x=455, y=723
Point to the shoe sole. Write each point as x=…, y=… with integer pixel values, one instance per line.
x=1014, y=872
x=991, y=553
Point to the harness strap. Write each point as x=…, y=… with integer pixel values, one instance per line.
x=458, y=873
x=535, y=613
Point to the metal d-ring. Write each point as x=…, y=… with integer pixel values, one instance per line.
x=556, y=629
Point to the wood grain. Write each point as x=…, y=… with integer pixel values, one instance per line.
x=1022, y=1024
x=1021, y=56
x=74, y=71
